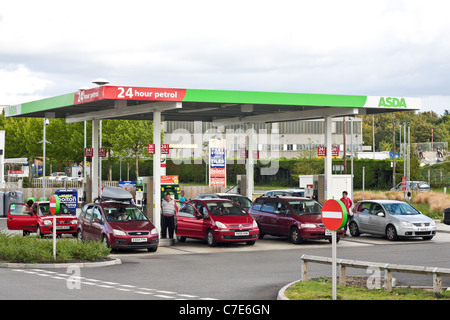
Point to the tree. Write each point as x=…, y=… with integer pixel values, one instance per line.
x=22, y=136
x=131, y=139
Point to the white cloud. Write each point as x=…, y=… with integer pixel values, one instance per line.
x=371, y=47
x=18, y=83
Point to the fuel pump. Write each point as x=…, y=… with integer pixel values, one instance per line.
x=140, y=193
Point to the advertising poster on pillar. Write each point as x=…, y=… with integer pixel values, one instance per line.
x=217, y=163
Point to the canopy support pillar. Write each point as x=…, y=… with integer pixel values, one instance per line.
x=157, y=170
x=94, y=162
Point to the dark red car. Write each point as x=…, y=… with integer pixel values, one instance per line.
x=117, y=222
x=39, y=219
x=297, y=218
x=215, y=220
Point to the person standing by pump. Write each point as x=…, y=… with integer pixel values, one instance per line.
x=168, y=216
x=348, y=203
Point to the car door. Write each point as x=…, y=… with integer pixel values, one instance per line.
x=269, y=218
x=362, y=216
x=20, y=217
x=283, y=218
x=377, y=223
x=85, y=222
x=189, y=221
x=96, y=224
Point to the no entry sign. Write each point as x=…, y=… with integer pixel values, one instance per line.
x=334, y=215
x=54, y=204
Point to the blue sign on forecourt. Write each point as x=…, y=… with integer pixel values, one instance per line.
x=69, y=197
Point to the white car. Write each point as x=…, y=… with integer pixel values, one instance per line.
x=391, y=218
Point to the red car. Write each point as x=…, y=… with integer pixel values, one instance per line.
x=117, y=222
x=295, y=217
x=215, y=220
x=39, y=219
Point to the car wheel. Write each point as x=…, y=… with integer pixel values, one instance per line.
x=39, y=232
x=354, y=230
x=337, y=239
x=251, y=243
x=181, y=239
x=210, y=239
x=105, y=242
x=391, y=233
x=152, y=249
x=294, y=236
x=79, y=235
x=261, y=234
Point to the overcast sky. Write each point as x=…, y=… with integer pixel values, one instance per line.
x=369, y=47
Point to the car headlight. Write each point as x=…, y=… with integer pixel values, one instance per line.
x=220, y=225
x=254, y=225
x=432, y=223
x=406, y=224
x=74, y=221
x=118, y=232
x=48, y=222
x=154, y=231
x=308, y=225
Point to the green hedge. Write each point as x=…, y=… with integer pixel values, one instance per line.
x=378, y=173
x=32, y=249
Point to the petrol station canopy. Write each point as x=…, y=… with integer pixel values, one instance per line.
x=138, y=103
x=217, y=106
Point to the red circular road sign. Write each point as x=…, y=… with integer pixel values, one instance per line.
x=334, y=214
x=54, y=204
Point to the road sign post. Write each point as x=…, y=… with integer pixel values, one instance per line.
x=334, y=217
x=54, y=210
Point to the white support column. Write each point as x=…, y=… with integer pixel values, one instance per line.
x=249, y=164
x=99, y=158
x=94, y=162
x=157, y=170
x=2, y=159
x=328, y=163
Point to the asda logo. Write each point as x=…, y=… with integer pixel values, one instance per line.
x=392, y=102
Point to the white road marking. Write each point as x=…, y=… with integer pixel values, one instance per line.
x=112, y=285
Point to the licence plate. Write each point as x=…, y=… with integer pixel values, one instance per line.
x=328, y=232
x=138, y=239
x=241, y=233
x=423, y=229
x=62, y=227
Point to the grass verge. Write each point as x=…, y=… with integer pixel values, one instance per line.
x=321, y=289
x=32, y=249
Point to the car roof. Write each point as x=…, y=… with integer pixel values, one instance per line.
x=285, y=198
x=294, y=189
x=382, y=201
x=214, y=200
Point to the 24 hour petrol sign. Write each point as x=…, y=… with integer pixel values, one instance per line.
x=129, y=93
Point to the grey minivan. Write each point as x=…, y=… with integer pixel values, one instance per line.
x=391, y=218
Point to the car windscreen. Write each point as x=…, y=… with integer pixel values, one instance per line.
x=225, y=209
x=44, y=209
x=305, y=207
x=400, y=209
x=123, y=214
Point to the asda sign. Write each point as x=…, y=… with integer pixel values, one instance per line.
x=392, y=102
x=401, y=103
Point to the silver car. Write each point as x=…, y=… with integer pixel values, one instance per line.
x=391, y=218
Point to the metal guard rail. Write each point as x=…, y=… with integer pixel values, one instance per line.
x=389, y=268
